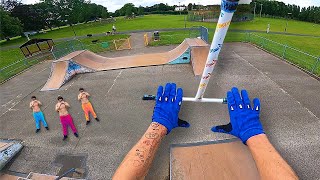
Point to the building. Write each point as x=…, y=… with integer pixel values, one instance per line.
x=180, y=8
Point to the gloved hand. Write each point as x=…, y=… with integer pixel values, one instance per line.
x=167, y=108
x=244, y=119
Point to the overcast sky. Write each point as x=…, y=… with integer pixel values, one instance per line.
x=113, y=5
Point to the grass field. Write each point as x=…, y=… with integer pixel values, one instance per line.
x=308, y=44
x=176, y=37
x=12, y=55
x=275, y=44
x=172, y=21
x=15, y=56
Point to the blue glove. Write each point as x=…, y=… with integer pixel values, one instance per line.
x=244, y=120
x=167, y=108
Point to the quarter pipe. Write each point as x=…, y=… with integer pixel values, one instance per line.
x=190, y=50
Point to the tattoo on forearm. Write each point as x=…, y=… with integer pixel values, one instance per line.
x=137, y=163
x=152, y=135
x=154, y=125
x=144, y=153
x=147, y=142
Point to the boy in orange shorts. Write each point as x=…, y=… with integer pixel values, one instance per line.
x=86, y=105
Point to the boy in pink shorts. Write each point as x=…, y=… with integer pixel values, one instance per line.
x=65, y=118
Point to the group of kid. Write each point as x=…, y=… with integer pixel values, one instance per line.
x=62, y=108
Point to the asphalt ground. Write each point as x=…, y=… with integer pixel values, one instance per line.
x=289, y=97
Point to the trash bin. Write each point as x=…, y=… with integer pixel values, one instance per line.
x=156, y=36
x=105, y=44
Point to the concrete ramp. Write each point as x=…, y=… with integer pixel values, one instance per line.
x=8, y=149
x=219, y=160
x=86, y=61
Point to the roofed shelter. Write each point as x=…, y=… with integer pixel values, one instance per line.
x=34, y=46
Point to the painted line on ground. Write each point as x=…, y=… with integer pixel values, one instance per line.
x=114, y=82
x=285, y=92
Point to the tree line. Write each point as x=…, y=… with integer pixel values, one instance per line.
x=16, y=17
x=280, y=9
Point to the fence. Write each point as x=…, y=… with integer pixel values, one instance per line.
x=176, y=36
x=304, y=60
x=308, y=62
x=66, y=47
x=70, y=46
x=19, y=66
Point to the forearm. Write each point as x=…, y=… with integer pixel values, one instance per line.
x=67, y=104
x=269, y=162
x=138, y=161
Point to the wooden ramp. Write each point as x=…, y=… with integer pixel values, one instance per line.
x=99, y=63
x=58, y=72
x=8, y=149
x=86, y=61
x=37, y=176
x=198, y=59
x=34, y=176
x=9, y=177
x=221, y=160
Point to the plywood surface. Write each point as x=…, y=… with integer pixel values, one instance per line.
x=8, y=177
x=4, y=146
x=96, y=62
x=57, y=76
x=37, y=176
x=198, y=59
x=99, y=63
x=222, y=161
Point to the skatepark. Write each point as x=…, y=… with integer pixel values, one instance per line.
x=290, y=118
x=192, y=128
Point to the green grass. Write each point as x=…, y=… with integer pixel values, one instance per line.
x=15, y=55
x=172, y=21
x=176, y=37
x=97, y=47
x=21, y=65
x=302, y=60
x=12, y=55
x=278, y=25
x=309, y=45
x=9, y=56
x=293, y=55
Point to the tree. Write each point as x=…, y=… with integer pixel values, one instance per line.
x=140, y=11
x=30, y=16
x=127, y=10
x=190, y=6
x=104, y=12
x=9, y=26
x=8, y=5
x=162, y=7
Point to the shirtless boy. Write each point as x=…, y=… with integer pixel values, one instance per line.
x=37, y=114
x=86, y=105
x=65, y=118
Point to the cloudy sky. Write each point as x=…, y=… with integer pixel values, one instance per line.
x=113, y=5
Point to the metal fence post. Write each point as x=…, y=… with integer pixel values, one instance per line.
x=284, y=52
x=247, y=37
x=263, y=42
x=25, y=61
x=315, y=65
